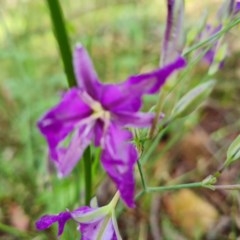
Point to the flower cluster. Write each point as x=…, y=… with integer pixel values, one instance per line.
x=101, y=114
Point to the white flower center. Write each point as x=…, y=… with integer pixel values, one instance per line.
x=99, y=111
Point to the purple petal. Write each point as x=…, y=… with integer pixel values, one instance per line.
x=47, y=220
x=61, y=119
x=80, y=212
x=210, y=54
x=173, y=36
x=69, y=157
x=127, y=96
x=98, y=133
x=85, y=211
x=118, y=159
x=116, y=97
x=137, y=120
x=226, y=10
x=150, y=83
x=237, y=7
x=85, y=73
x=90, y=230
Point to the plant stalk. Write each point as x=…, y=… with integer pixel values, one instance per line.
x=59, y=28
x=87, y=161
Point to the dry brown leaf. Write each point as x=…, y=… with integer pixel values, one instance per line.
x=194, y=215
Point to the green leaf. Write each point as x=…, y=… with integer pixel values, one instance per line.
x=192, y=100
x=233, y=152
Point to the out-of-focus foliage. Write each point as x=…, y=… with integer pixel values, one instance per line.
x=123, y=38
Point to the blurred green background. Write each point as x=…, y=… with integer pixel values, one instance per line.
x=123, y=38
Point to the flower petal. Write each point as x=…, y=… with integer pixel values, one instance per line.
x=136, y=119
x=91, y=229
x=61, y=119
x=88, y=214
x=127, y=96
x=118, y=159
x=173, y=39
x=209, y=31
x=150, y=83
x=237, y=7
x=116, y=97
x=47, y=220
x=68, y=157
x=85, y=73
x=98, y=132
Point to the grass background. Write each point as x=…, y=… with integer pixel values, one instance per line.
x=123, y=38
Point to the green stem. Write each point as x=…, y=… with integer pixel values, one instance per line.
x=62, y=39
x=166, y=188
x=139, y=195
x=227, y=187
x=175, y=187
x=212, y=38
x=142, y=175
x=152, y=146
x=61, y=35
x=156, y=118
x=87, y=161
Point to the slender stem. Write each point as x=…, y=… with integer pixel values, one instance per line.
x=139, y=195
x=157, y=114
x=153, y=145
x=87, y=161
x=176, y=187
x=61, y=35
x=227, y=187
x=57, y=19
x=142, y=176
x=166, y=188
x=212, y=38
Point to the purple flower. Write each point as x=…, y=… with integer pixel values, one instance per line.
x=94, y=223
x=237, y=7
x=228, y=10
x=210, y=54
x=100, y=113
x=173, y=39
